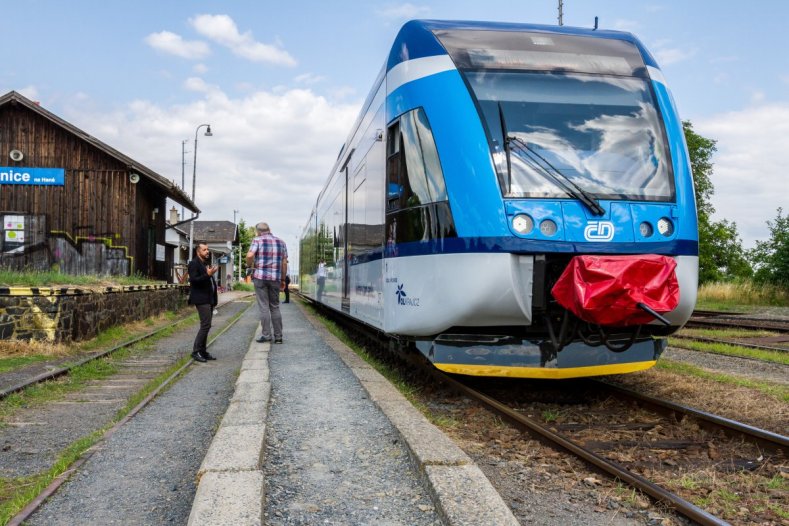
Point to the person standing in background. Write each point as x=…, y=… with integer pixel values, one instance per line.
x=202, y=294
x=268, y=256
x=287, y=289
x=321, y=277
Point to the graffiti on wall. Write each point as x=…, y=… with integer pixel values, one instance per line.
x=25, y=243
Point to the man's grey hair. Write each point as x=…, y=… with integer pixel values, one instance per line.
x=262, y=228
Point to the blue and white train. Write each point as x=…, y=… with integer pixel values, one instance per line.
x=485, y=158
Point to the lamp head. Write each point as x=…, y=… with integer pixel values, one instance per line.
x=208, y=131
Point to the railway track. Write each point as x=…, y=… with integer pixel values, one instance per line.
x=709, y=435
x=139, y=373
x=59, y=372
x=729, y=342
x=753, y=324
x=594, y=451
x=735, y=320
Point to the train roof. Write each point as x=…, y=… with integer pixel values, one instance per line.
x=417, y=39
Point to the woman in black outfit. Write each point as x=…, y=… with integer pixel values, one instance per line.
x=202, y=294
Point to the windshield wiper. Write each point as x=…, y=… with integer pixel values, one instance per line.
x=506, y=146
x=533, y=158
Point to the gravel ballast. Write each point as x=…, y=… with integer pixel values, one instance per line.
x=145, y=472
x=332, y=457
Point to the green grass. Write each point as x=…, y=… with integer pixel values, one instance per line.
x=779, y=392
x=550, y=415
x=727, y=333
x=9, y=364
x=15, y=494
x=36, y=278
x=732, y=350
x=733, y=296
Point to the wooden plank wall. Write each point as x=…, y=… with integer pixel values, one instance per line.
x=97, y=203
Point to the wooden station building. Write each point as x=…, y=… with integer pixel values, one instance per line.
x=71, y=203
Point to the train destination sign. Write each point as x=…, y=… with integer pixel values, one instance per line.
x=36, y=176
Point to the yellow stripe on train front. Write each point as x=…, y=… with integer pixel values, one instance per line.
x=543, y=372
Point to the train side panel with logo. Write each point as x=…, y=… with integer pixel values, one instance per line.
x=513, y=200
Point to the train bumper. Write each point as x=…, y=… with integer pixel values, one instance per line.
x=504, y=356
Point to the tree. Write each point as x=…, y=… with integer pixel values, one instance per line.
x=721, y=256
x=771, y=258
x=245, y=236
x=701, y=150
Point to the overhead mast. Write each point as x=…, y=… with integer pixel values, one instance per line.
x=561, y=13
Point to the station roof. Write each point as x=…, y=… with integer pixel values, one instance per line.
x=215, y=231
x=169, y=188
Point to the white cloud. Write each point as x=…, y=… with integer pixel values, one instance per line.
x=668, y=55
x=174, y=44
x=200, y=69
x=223, y=30
x=626, y=25
x=342, y=92
x=196, y=84
x=404, y=11
x=31, y=92
x=269, y=155
x=750, y=168
x=309, y=78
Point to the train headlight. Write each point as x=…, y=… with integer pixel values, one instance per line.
x=665, y=226
x=522, y=224
x=548, y=227
x=646, y=229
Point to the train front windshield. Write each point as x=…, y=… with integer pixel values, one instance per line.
x=566, y=107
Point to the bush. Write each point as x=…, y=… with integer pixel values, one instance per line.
x=771, y=258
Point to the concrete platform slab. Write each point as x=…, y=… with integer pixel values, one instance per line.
x=235, y=448
x=229, y=498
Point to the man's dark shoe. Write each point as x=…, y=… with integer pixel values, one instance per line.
x=278, y=340
x=262, y=339
x=207, y=355
x=196, y=357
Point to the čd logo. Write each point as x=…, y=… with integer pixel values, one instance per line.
x=599, y=231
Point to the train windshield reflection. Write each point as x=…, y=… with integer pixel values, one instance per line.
x=604, y=133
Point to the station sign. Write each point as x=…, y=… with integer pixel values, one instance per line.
x=32, y=176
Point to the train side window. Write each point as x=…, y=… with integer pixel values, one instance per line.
x=394, y=187
x=432, y=166
x=413, y=169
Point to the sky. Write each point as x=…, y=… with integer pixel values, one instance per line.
x=281, y=83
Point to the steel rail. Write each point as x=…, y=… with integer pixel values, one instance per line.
x=768, y=325
x=768, y=440
x=729, y=342
x=58, y=481
x=702, y=312
x=674, y=501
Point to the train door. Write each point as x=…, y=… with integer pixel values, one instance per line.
x=346, y=274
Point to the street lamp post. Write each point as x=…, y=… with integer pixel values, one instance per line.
x=238, y=233
x=194, y=179
x=183, y=170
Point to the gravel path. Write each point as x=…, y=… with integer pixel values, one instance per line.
x=332, y=457
x=145, y=472
x=731, y=365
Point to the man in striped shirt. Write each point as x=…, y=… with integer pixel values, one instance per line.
x=268, y=257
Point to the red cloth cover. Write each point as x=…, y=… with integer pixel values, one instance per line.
x=605, y=289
